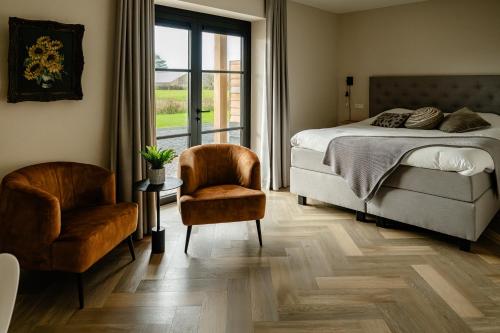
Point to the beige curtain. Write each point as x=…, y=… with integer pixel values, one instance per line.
x=133, y=121
x=276, y=141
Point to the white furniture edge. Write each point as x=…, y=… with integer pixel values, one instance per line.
x=9, y=277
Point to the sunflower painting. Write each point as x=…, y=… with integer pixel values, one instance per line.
x=44, y=63
x=45, y=60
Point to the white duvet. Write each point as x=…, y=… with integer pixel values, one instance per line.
x=466, y=161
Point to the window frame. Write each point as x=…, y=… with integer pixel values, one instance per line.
x=198, y=23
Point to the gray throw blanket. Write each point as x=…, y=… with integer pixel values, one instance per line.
x=366, y=161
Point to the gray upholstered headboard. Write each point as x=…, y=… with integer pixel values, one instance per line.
x=481, y=93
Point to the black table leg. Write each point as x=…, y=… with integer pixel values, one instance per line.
x=157, y=211
x=158, y=233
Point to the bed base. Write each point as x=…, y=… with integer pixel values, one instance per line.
x=469, y=219
x=360, y=216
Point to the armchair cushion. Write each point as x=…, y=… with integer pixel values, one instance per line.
x=88, y=234
x=222, y=203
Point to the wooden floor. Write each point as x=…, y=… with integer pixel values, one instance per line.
x=319, y=271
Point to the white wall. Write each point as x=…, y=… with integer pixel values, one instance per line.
x=311, y=67
x=247, y=7
x=32, y=132
x=249, y=10
x=433, y=37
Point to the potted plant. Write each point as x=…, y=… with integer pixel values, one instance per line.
x=157, y=158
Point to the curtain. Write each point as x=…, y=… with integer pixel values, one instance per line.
x=133, y=121
x=276, y=137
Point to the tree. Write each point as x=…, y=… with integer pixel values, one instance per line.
x=160, y=62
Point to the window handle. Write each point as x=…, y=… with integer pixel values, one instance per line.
x=198, y=112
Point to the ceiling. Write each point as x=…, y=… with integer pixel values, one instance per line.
x=345, y=6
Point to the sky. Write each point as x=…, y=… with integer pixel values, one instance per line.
x=172, y=45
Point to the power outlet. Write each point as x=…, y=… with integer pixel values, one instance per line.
x=359, y=106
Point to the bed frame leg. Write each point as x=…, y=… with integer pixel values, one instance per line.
x=383, y=223
x=361, y=216
x=464, y=245
x=302, y=200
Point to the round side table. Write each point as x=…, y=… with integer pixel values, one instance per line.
x=158, y=233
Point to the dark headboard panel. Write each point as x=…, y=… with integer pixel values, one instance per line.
x=481, y=93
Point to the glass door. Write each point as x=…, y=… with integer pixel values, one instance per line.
x=222, y=77
x=172, y=91
x=202, y=81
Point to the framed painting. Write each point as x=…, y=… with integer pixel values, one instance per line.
x=45, y=61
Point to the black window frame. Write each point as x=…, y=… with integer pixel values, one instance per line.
x=199, y=23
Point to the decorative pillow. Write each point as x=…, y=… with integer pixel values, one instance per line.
x=392, y=120
x=425, y=118
x=463, y=120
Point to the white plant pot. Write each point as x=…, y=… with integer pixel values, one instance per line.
x=156, y=176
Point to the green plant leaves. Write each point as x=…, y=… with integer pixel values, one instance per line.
x=158, y=157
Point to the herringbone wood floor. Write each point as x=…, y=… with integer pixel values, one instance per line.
x=319, y=271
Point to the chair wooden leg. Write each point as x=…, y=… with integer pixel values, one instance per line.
x=258, y=232
x=79, y=280
x=130, y=243
x=302, y=200
x=188, y=235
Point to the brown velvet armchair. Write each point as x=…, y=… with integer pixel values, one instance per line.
x=221, y=184
x=63, y=216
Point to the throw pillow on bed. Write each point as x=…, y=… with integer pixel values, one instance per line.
x=391, y=120
x=425, y=118
x=463, y=120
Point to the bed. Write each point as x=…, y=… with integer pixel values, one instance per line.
x=460, y=198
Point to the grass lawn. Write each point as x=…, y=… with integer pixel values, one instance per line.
x=180, y=95
x=180, y=119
